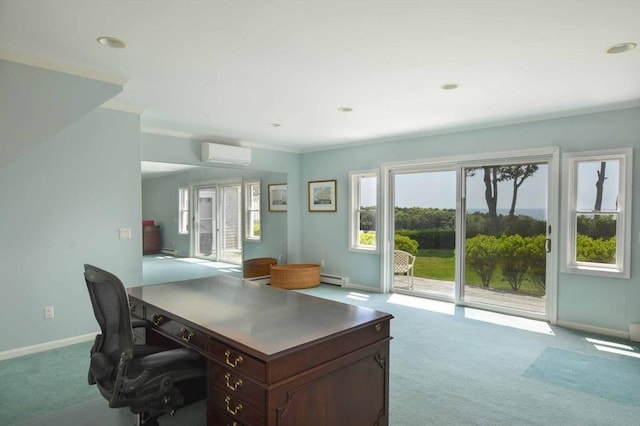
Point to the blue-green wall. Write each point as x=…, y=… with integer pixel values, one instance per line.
x=592, y=301
x=160, y=203
x=63, y=203
x=67, y=189
x=169, y=149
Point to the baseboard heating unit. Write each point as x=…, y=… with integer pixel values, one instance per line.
x=334, y=280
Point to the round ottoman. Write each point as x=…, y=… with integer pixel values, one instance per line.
x=295, y=275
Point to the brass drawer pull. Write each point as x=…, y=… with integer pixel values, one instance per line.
x=157, y=319
x=378, y=327
x=132, y=307
x=235, y=409
x=235, y=362
x=186, y=335
x=234, y=386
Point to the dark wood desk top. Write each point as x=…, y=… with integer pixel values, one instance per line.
x=267, y=322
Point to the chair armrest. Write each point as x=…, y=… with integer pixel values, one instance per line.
x=161, y=359
x=140, y=323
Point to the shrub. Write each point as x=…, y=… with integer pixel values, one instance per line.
x=405, y=243
x=432, y=238
x=368, y=238
x=482, y=256
x=514, y=252
x=598, y=250
x=538, y=261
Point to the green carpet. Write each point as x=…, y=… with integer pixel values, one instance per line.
x=616, y=379
x=36, y=384
x=162, y=269
x=448, y=366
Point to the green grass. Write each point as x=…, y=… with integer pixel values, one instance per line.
x=440, y=265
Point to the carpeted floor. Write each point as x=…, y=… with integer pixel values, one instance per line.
x=449, y=366
x=159, y=268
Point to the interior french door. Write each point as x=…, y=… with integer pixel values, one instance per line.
x=217, y=222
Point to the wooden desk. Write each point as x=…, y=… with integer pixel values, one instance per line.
x=274, y=356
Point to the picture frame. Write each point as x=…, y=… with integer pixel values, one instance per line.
x=322, y=195
x=277, y=197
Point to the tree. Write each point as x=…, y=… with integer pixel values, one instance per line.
x=518, y=174
x=600, y=185
x=491, y=194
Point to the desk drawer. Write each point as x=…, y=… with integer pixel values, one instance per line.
x=222, y=379
x=235, y=409
x=175, y=329
x=218, y=418
x=236, y=361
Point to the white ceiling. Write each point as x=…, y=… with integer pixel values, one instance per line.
x=225, y=70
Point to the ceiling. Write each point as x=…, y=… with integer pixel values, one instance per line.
x=229, y=70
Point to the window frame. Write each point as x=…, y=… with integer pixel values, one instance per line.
x=248, y=231
x=183, y=207
x=355, y=211
x=622, y=267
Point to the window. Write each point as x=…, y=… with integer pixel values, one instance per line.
x=252, y=211
x=363, y=207
x=598, y=214
x=183, y=210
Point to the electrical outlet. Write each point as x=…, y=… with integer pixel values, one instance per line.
x=48, y=312
x=322, y=263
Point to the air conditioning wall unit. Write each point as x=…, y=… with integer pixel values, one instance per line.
x=227, y=154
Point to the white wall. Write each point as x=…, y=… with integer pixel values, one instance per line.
x=593, y=301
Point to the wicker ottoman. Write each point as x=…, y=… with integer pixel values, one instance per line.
x=258, y=267
x=295, y=275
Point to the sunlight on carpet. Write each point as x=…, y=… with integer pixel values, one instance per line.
x=618, y=380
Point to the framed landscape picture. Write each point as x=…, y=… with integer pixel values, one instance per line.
x=322, y=196
x=277, y=197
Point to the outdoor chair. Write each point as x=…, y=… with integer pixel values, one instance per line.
x=403, y=264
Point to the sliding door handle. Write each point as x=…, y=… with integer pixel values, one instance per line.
x=547, y=245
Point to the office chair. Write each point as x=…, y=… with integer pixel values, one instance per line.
x=151, y=381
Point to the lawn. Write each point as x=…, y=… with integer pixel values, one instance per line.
x=439, y=264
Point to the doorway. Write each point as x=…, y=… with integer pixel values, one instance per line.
x=217, y=222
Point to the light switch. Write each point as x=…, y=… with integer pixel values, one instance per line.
x=125, y=233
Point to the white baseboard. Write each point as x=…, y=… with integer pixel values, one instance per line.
x=41, y=347
x=595, y=330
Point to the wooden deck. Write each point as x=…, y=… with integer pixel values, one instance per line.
x=446, y=290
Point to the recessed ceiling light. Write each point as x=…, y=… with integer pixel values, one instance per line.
x=449, y=86
x=345, y=109
x=621, y=48
x=111, y=42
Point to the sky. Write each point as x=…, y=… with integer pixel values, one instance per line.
x=438, y=189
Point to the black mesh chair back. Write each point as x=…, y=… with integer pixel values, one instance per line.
x=150, y=380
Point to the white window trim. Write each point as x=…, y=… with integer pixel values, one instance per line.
x=181, y=225
x=354, y=209
x=622, y=268
x=247, y=202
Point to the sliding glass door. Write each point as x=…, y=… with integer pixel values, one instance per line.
x=425, y=232
x=505, y=236
x=477, y=232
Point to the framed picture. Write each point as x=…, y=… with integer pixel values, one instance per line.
x=322, y=196
x=278, y=197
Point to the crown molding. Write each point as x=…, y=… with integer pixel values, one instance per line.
x=50, y=64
